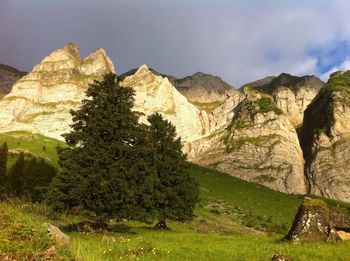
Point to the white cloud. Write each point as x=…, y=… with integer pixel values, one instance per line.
x=342, y=67
x=239, y=40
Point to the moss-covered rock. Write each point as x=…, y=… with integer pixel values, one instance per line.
x=318, y=221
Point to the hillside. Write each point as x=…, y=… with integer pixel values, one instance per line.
x=237, y=219
x=8, y=76
x=252, y=133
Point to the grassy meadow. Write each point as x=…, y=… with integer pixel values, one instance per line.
x=234, y=220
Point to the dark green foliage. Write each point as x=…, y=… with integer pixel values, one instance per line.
x=106, y=170
x=37, y=175
x=266, y=104
x=16, y=177
x=3, y=168
x=339, y=81
x=176, y=191
x=29, y=177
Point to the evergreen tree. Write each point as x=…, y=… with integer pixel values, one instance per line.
x=107, y=167
x=37, y=176
x=176, y=191
x=3, y=166
x=16, y=177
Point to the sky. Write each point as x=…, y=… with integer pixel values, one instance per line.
x=238, y=40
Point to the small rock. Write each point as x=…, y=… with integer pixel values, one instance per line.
x=108, y=239
x=281, y=257
x=343, y=235
x=56, y=234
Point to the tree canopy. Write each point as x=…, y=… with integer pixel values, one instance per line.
x=106, y=168
x=176, y=191
x=116, y=167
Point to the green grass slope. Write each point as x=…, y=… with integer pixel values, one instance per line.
x=23, y=235
x=234, y=220
x=35, y=144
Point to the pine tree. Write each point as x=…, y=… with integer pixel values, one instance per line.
x=3, y=166
x=16, y=177
x=176, y=191
x=37, y=176
x=106, y=168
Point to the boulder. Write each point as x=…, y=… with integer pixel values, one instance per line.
x=318, y=221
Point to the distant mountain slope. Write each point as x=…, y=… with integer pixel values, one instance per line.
x=8, y=76
x=260, y=82
x=204, y=88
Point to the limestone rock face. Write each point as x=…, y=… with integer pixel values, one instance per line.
x=154, y=93
x=40, y=101
x=259, y=145
x=317, y=221
x=292, y=94
x=8, y=76
x=326, y=139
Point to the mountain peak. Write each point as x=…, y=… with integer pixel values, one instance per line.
x=143, y=69
x=96, y=62
x=72, y=49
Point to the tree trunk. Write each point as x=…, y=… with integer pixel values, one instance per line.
x=161, y=225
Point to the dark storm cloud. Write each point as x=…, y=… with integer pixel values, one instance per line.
x=237, y=40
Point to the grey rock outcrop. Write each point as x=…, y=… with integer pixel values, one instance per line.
x=317, y=221
x=204, y=89
x=325, y=139
x=57, y=235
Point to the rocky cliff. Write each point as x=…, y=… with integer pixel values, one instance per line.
x=326, y=139
x=292, y=94
x=259, y=145
x=40, y=101
x=154, y=93
x=208, y=93
x=8, y=76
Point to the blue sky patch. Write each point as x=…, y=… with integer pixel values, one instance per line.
x=331, y=55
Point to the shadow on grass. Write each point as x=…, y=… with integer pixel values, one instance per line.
x=121, y=228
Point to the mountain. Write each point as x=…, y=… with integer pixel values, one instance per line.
x=252, y=133
x=154, y=93
x=209, y=94
x=326, y=139
x=8, y=76
x=40, y=101
x=259, y=145
x=292, y=94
